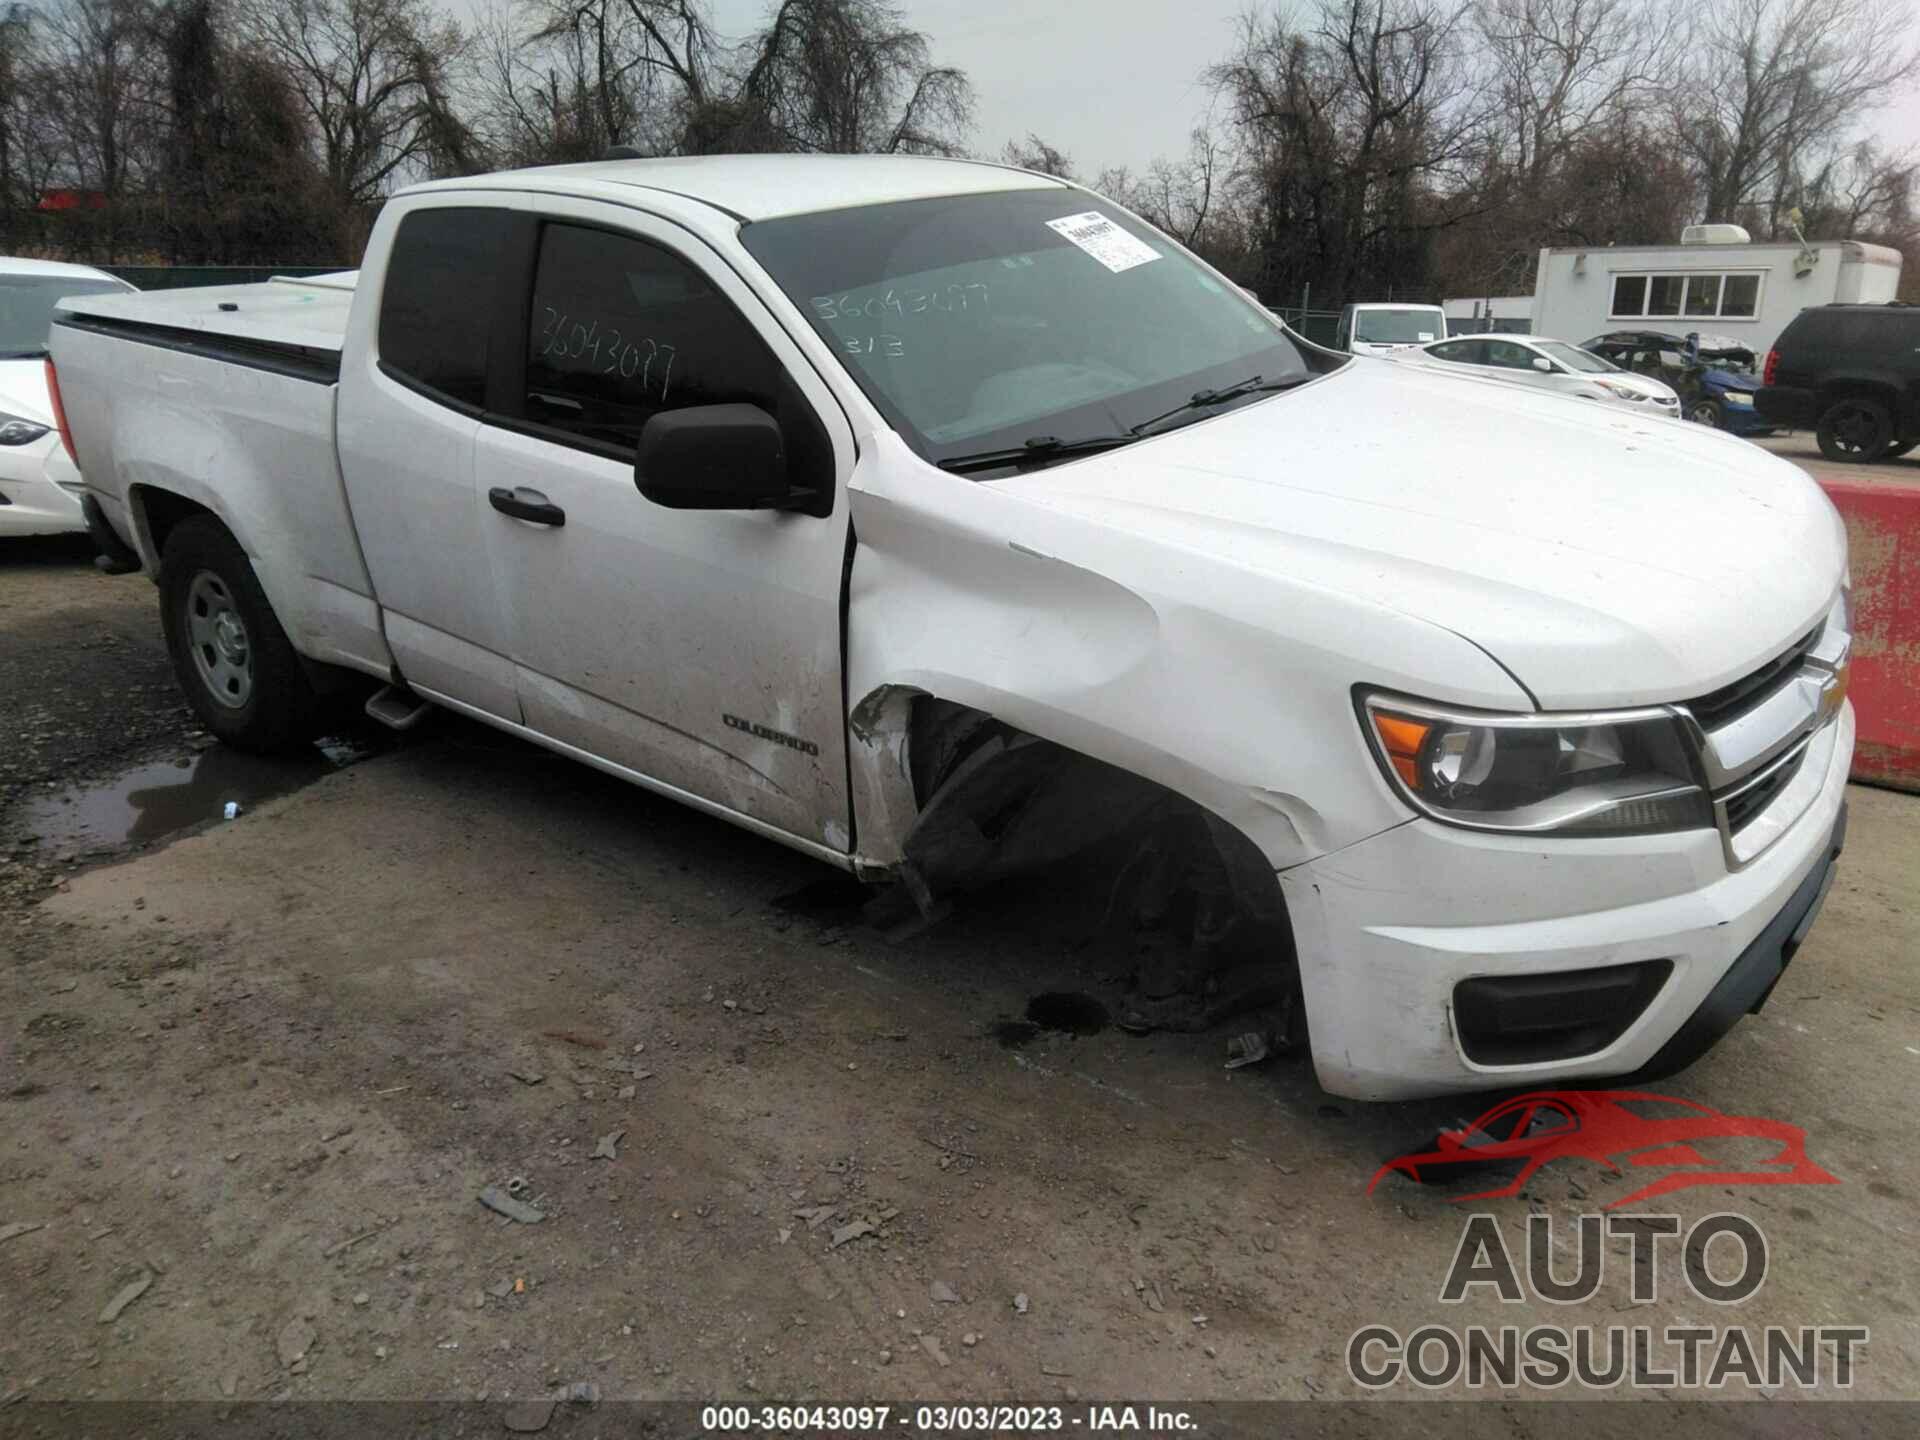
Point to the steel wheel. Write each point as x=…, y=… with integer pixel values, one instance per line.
x=217, y=634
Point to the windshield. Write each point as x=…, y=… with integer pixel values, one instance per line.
x=1573, y=358
x=1412, y=326
x=983, y=322
x=26, y=309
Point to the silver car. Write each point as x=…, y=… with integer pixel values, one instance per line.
x=1551, y=365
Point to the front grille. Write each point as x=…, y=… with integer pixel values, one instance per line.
x=1730, y=702
x=1744, y=806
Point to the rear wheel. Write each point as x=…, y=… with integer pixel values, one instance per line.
x=234, y=662
x=1857, y=429
x=1708, y=413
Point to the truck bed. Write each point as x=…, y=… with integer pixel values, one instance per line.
x=305, y=315
x=231, y=409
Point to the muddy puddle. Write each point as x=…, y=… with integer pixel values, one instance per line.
x=149, y=802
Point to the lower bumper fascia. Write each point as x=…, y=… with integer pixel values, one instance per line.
x=1751, y=978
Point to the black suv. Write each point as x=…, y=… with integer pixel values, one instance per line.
x=1852, y=374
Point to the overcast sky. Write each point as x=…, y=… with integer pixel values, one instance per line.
x=1109, y=83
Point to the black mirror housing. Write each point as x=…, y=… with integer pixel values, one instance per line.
x=714, y=457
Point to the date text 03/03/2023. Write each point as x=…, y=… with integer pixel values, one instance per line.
x=945, y=1419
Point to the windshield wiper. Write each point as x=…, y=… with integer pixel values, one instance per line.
x=1207, y=399
x=39, y=354
x=1037, y=449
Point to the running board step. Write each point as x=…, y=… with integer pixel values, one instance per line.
x=397, y=707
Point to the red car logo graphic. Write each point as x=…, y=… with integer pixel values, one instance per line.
x=1623, y=1130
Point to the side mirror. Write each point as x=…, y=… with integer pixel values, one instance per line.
x=1542, y=364
x=713, y=457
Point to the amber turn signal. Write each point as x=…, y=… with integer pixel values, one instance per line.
x=1402, y=738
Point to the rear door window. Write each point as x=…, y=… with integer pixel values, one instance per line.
x=436, y=301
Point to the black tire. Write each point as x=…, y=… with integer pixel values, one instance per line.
x=1855, y=430
x=1707, y=412
x=236, y=665
x=1894, y=452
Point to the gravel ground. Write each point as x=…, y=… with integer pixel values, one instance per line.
x=267, y=1067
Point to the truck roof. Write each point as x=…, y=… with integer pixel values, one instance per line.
x=763, y=187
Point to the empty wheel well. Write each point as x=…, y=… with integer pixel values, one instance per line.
x=161, y=510
x=995, y=801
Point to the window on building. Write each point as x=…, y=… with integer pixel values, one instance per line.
x=1740, y=296
x=1694, y=294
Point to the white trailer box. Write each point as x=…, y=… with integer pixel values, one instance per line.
x=1741, y=291
x=1500, y=314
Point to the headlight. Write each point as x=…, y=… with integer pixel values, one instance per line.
x=16, y=431
x=1625, y=392
x=1737, y=397
x=1624, y=772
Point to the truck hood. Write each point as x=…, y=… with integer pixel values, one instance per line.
x=23, y=390
x=1604, y=558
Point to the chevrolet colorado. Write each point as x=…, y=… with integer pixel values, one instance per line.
x=937, y=518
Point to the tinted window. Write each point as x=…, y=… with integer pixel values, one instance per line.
x=621, y=330
x=1850, y=331
x=1509, y=356
x=1464, y=352
x=1576, y=360
x=436, y=304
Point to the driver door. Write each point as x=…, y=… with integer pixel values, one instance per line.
x=696, y=650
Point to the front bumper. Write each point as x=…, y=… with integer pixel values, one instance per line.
x=1388, y=928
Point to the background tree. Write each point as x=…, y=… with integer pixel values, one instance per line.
x=1773, y=89
x=373, y=78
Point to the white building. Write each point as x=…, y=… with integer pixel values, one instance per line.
x=1715, y=281
x=1503, y=314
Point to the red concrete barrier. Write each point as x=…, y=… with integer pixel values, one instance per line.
x=1883, y=535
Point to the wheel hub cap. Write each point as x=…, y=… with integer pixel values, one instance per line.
x=217, y=639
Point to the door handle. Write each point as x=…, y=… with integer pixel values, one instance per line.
x=524, y=504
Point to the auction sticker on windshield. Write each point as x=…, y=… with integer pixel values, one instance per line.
x=1104, y=240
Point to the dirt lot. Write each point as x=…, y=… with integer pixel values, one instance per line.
x=268, y=1065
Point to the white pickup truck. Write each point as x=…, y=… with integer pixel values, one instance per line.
x=939, y=518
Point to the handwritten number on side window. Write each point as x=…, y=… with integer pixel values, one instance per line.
x=609, y=354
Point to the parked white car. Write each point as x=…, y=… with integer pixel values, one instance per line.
x=39, y=484
x=936, y=519
x=1550, y=365
x=1386, y=329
